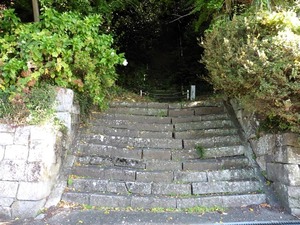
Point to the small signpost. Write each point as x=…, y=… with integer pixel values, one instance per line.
x=193, y=92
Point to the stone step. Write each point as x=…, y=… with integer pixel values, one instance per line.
x=132, y=132
x=131, y=143
x=132, y=125
x=148, y=133
x=165, y=189
x=158, y=105
x=203, y=125
x=148, y=202
x=102, y=116
x=163, y=143
x=157, y=165
x=212, y=142
x=105, y=151
x=133, y=118
x=154, y=171
x=193, y=134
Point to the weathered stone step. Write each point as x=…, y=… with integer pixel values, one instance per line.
x=132, y=132
x=128, y=117
x=158, y=105
x=211, y=142
x=203, y=125
x=132, y=125
x=161, y=112
x=129, y=142
x=148, y=202
x=207, y=153
x=94, y=152
x=171, y=189
x=196, y=111
x=157, y=171
x=193, y=134
x=155, y=119
x=89, y=149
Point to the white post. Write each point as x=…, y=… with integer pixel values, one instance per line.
x=187, y=94
x=193, y=92
x=141, y=93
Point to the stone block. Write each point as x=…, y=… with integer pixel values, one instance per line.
x=46, y=133
x=288, y=174
x=120, y=174
x=6, y=202
x=156, y=154
x=227, y=175
x=110, y=200
x=117, y=187
x=183, y=203
x=243, y=200
x=139, y=188
x=5, y=213
x=42, y=150
x=2, y=150
x=64, y=100
x=211, y=201
x=80, y=198
x=288, y=139
x=16, y=152
x=92, y=172
x=225, y=187
x=287, y=154
x=202, y=165
x=12, y=170
x=171, y=189
x=34, y=171
x=89, y=185
x=8, y=189
x=184, y=176
x=262, y=162
x=6, y=138
x=152, y=176
x=22, y=135
x=31, y=191
x=26, y=209
x=163, y=165
x=7, y=128
x=185, y=154
x=152, y=202
x=264, y=145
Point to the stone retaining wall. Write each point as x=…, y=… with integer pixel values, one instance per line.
x=278, y=155
x=31, y=158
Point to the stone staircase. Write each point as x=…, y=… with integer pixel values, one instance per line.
x=162, y=155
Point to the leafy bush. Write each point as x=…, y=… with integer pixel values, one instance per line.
x=255, y=57
x=34, y=107
x=64, y=49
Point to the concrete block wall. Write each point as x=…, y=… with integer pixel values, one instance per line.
x=30, y=161
x=276, y=154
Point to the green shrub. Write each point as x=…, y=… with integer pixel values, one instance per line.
x=34, y=107
x=255, y=57
x=63, y=49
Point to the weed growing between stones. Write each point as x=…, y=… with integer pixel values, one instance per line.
x=200, y=151
x=107, y=210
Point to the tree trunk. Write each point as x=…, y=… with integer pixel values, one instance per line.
x=36, y=12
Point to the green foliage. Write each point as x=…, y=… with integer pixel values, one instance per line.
x=255, y=58
x=34, y=107
x=64, y=49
